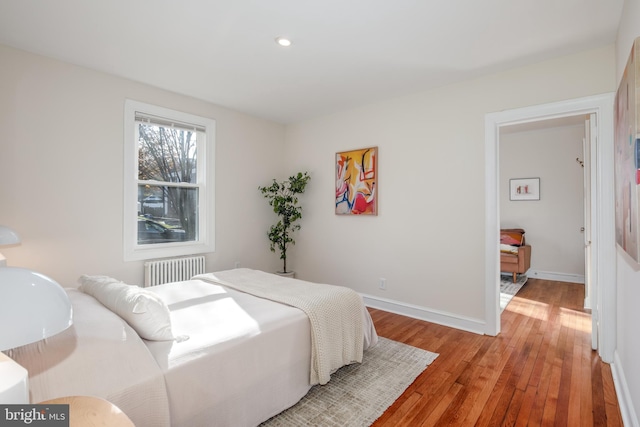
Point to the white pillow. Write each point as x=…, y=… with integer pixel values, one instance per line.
x=144, y=311
x=508, y=249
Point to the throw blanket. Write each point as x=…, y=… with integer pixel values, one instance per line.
x=335, y=313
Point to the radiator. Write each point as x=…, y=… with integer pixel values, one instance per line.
x=172, y=270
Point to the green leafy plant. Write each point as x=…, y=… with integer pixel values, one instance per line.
x=283, y=197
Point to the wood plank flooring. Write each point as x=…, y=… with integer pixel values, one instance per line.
x=540, y=370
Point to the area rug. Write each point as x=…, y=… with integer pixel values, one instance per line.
x=359, y=393
x=508, y=289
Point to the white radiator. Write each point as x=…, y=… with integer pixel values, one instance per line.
x=172, y=270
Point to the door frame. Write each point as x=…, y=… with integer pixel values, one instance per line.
x=588, y=151
x=603, y=296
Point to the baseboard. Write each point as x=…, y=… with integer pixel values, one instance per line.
x=422, y=313
x=560, y=277
x=629, y=417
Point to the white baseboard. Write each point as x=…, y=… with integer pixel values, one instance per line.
x=441, y=318
x=560, y=277
x=629, y=417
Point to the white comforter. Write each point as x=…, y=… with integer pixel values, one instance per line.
x=335, y=313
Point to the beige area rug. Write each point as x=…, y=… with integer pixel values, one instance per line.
x=508, y=289
x=359, y=393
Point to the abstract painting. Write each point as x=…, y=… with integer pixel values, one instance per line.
x=627, y=156
x=357, y=182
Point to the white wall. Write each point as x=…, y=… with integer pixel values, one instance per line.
x=552, y=224
x=61, y=170
x=628, y=345
x=428, y=239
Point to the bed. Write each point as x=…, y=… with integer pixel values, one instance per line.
x=233, y=358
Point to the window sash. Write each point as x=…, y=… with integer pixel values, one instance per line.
x=201, y=138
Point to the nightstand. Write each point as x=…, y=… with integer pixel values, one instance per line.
x=88, y=411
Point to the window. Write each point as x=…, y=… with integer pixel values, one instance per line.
x=168, y=206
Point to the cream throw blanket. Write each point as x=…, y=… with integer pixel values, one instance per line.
x=335, y=313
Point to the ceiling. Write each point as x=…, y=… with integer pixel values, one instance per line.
x=345, y=53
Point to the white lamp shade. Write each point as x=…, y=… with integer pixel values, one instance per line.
x=32, y=307
x=8, y=236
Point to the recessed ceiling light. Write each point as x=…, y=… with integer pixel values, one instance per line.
x=283, y=41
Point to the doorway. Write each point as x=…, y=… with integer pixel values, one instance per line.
x=602, y=268
x=552, y=152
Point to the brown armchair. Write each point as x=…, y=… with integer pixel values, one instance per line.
x=517, y=258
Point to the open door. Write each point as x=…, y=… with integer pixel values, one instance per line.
x=589, y=149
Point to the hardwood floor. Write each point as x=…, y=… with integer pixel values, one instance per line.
x=540, y=370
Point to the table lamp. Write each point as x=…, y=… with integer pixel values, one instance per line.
x=32, y=307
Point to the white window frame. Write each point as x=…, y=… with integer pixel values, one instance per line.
x=204, y=181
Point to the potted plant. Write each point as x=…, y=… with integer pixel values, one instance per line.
x=283, y=196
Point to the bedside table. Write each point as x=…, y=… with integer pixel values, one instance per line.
x=89, y=411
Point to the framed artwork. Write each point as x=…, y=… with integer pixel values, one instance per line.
x=627, y=157
x=357, y=182
x=524, y=189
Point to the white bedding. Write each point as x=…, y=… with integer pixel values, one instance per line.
x=237, y=360
x=245, y=359
x=99, y=355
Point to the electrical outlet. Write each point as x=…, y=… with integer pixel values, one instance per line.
x=236, y=264
x=382, y=284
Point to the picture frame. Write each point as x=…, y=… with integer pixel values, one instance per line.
x=356, y=173
x=524, y=189
x=627, y=157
